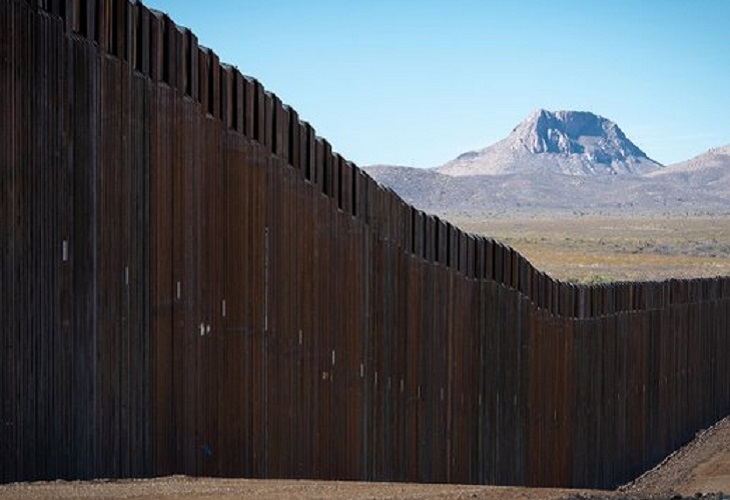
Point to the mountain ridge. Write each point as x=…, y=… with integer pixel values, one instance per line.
x=713, y=157
x=531, y=184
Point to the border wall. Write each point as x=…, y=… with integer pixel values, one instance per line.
x=193, y=282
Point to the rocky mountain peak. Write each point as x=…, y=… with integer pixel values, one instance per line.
x=574, y=132
x=568, y=142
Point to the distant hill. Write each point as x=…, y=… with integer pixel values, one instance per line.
x=716, y=162
x=565, y=162
x=563, y=142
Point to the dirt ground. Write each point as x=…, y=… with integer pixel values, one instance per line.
x=182, y=488
x=700, y=469
x=703, y=466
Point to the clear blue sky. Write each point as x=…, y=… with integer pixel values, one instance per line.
x=417, y=82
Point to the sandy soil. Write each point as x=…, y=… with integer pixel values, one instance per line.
x=700, y=469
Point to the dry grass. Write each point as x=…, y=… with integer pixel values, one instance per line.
x=601, y=249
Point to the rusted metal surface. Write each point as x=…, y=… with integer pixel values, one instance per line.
x=193, y=282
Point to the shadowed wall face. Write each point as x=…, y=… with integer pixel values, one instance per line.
x=193, y=282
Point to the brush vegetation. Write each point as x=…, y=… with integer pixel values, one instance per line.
x=606, y=249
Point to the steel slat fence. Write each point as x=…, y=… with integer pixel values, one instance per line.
x=193, y=282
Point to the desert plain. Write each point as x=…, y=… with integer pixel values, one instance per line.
x=598, y=249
